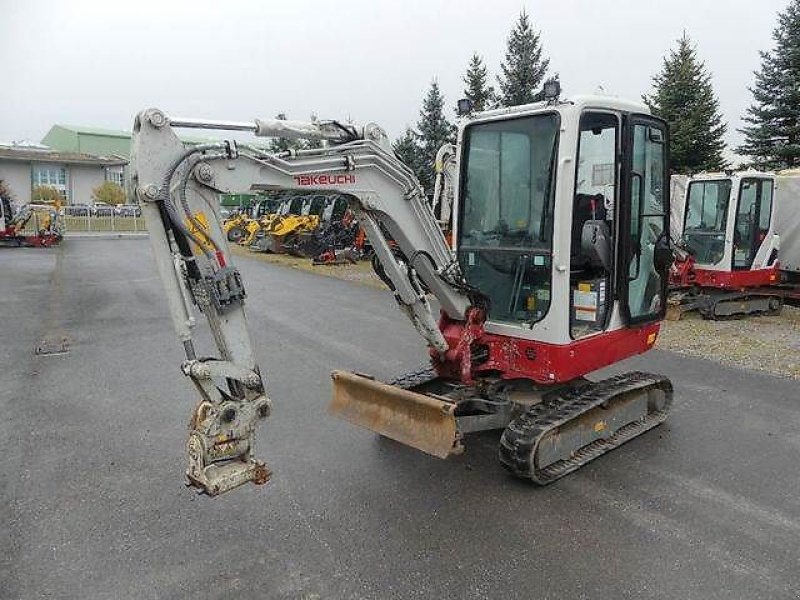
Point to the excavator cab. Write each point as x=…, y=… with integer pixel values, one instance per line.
x=729, y=245
x=561, y=224
x=728, y=223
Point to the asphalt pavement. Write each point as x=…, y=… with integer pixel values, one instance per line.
x=92, y=503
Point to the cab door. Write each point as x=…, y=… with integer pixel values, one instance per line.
x=753, y=217
x=644, y=255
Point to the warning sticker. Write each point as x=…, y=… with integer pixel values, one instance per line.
x=585, y=305
x=200, y=233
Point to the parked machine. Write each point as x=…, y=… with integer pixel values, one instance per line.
x=787, y=226
x=237, y=226
x=336, y=231
x=728, y=256
x=548, y=279
x=264, y=215
x=298, y=214
x=13, y=225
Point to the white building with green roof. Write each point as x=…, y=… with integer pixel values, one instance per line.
x=75, y=159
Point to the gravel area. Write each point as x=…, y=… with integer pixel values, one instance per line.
x=769, y=344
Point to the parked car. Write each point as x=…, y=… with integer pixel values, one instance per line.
x=101, y=209
x=76, y=210
x=129, y=210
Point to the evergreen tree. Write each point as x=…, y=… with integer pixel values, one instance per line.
x=684, y=97
x=433, y=130
x=477, y=88
x=772, y=139
x=407, y=149
x=524, y=67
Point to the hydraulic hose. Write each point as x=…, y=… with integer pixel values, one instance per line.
x=163, y=196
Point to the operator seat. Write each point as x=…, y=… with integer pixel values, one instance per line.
x=587, y=207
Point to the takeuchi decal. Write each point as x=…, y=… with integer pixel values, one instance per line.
x=324, y=179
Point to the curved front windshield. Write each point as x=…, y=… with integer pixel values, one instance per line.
x=706, y=219
x=505, y=227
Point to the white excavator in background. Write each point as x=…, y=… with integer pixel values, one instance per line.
x=558, y=268
x=738, y=248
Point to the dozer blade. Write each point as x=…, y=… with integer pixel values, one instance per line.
x=417, y=420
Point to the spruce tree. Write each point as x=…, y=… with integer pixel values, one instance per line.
x=684, y=97
x=477, y=88
x=433, y=130
x=407, y=149
x=772, y=138
x=524, y=67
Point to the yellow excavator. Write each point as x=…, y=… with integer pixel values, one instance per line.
x=235, y=226
x=239, y=225
x=264, y=217
x=296, y=215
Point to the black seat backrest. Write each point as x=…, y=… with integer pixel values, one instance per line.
x=587, y=207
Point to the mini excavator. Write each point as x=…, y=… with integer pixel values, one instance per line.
x=558, y=268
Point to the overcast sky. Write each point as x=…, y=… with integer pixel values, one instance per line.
x=97, y=63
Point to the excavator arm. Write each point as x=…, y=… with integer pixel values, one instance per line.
x=178, y=189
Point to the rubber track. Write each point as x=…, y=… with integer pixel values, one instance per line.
x=710, y=311
x=521, y=438
x=415, y=378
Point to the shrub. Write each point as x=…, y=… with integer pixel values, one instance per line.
x=45, y=194
x=109, y=192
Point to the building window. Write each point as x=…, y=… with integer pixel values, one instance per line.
x=54, y=176
x=116, y=175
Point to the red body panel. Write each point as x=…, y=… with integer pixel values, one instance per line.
x=514, y=358
x=44, y=239
x=737, y=279
x=685, y=273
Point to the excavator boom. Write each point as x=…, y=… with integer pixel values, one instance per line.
x=178, y=188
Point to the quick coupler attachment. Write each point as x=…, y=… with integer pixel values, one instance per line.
x=220, y=445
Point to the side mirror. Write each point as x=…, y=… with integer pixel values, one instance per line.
x=596, y=243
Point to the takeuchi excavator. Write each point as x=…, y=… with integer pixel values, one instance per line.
x=558, y=268
x=728, y=259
